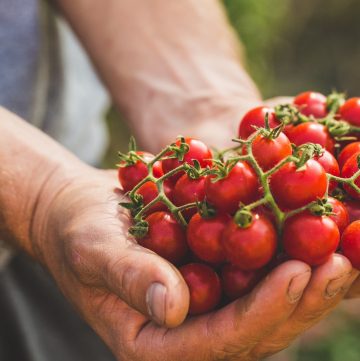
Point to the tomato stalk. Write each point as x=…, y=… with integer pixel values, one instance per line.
x=221, y=168
x=349, y=181
x=338, y=128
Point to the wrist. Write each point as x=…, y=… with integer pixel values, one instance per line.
x=212, y=118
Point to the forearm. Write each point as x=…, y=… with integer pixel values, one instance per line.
x=172, y=66
x=28, y=160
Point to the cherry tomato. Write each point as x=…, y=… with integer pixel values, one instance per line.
x=204, y=237
x=353, y=208
x=169, y=189
x=350, y=243
x=131, y=175
x=237, y=283
x=252, y=247
x=311, y=239
x=188, y=190
x=349, y=169
x=312, y=103
x=240, y=185
x=256, y=118
x=347, y=152
x=341, y=216
x=204, y=286
x=311, y=133
x=269, y=152
x=330, y=165
x=149, y=192
x=197, y=150
x=350, y=111
x=294, y=188
x=165, y=237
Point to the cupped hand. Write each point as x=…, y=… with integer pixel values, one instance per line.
x=137, y=302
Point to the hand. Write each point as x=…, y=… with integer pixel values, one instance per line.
x=80, y=234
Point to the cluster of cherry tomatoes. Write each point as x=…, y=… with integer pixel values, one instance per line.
x=288, y=189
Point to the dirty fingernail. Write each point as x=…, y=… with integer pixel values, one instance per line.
x=297, y=286
x=156, y=302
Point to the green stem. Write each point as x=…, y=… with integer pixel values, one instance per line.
x=256, y=204
x=186, y=206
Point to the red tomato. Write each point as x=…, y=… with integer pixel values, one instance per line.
x=311, y=239
x=330, y=165
x=256, y=117
x=353, y=208
x=312, y=103
x=204, y=237
x=149, y=192
x=240, y=185
x=349, y=169
x=252, y=247
x=197, y=150
x=130, y=176
x=237, y=283
x=347, y=152
x=188, y=190
x=293, y=188
x=350, y=243
x=311, y=133
x=165, y=237
x=341, y=216
x=204, y=286
x=350, y=111
x=269, y=152
x=169, y=189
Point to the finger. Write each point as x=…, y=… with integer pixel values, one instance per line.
x=272, y=102
x=145, y=281
x=354, y=291
x=328, y=285
x=267, y=306
x=236, y=328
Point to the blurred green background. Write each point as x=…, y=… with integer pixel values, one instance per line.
x=292, y=46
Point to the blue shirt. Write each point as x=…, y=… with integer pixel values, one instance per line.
x=46, y=78
x=19, y=54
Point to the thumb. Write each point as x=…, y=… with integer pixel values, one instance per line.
x=139, y=277
x=148, y=283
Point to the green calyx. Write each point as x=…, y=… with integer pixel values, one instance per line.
x=243, y=217
x=131, y=157
x=178, y=151
x=321, y=208
x=306, y=152
x=205, y=209
x=334, y=101
x=289, y=114
x=222, y=169
x=140, y=229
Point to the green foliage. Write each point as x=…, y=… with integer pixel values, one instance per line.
x=259, y=25
x=293, y=45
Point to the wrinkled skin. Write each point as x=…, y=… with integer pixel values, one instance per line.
x=80, y=235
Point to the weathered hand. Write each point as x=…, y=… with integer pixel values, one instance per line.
x=80, y=234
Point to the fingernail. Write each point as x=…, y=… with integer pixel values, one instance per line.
x=336, y=285
x=156, y=302
x=297, y=286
